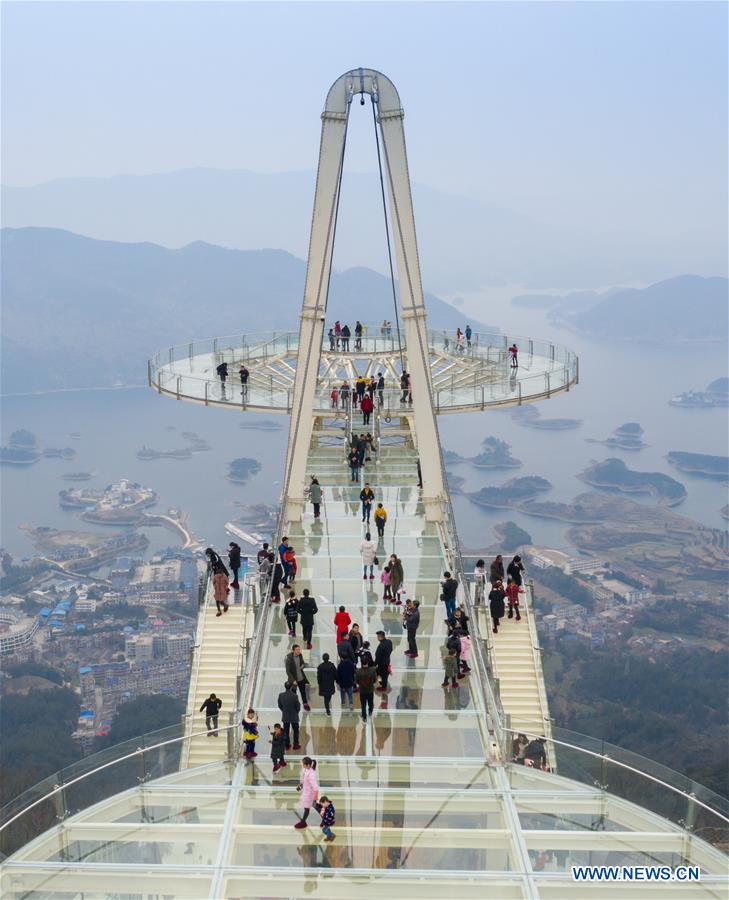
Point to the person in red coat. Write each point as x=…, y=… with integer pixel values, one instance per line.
x=367, y=405
x=342, y=621
x=512, y=594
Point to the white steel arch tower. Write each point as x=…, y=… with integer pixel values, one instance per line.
x=328, y=183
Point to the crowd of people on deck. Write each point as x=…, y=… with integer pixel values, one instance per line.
x=354, y=665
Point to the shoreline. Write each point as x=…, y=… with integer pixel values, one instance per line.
x=627, y=489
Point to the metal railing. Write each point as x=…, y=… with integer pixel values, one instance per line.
x=611, y=770
x=204, y=589
x=498, y=720
x=629, y=776
x=187, y=371
x=90, y=781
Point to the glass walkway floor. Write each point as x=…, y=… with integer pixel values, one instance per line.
x=421, y=810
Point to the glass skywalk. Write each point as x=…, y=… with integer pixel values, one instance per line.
x=422, y=810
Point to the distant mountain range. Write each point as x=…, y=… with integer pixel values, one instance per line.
x=686, y=308
x=79, y=312
x=465, y=243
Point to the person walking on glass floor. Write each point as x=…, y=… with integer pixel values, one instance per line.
x=368, y=549
x=325, y=808
x=380, y=515
x=309, y=789
x=366, y=496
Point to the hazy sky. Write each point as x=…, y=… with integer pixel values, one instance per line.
x=612, y=113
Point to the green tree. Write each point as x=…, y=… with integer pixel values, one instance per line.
x=148, y=712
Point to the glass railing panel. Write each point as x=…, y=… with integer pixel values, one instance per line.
x=31, y=822
x=153, y=805
x=101, y=785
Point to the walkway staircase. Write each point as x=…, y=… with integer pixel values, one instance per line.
x=217, y=663
x=516, y=661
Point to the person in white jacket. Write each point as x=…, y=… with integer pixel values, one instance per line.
x=368, y=549
x=479, y=579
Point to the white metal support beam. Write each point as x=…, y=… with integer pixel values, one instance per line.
x=311, y=330
x=331, y=156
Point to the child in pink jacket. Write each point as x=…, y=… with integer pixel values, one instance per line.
x=309, y=788
x=465, y=653
x=385, y=579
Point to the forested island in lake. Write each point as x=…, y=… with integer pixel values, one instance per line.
x=532, y=418
x=627, y=437
x=511, y=493
x=615, y=475
x=496, y=454
x=22, y=450
x=241, y=469
x=511, y=537
x=716, y=467
x=148, y=453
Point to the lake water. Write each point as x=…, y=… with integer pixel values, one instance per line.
x=618, y=383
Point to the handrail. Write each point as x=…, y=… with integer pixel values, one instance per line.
x=453, y=542
x=571, y=746
x=611, y=759
x=140, y=750
x=536, y=655
x=436, y=336
x=197, y=652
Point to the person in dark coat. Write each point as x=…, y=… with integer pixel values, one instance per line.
x=345, y=680
x=345, y=650
x=497, y=570
x=290, y=708
x=453, y=643
x=496, y=604
x=366, y=677
x=346, y=334
x=382, y=659
x=396, y=577
x=326, y=678
x=515, y=571
x=535, y=754
x=294, y=663
x=459, y=619
x=234, y=560
x=276, y=579
x=356, y=640
x=411, y=621
x=212, y=708
x=307, y=610
x=449, y=587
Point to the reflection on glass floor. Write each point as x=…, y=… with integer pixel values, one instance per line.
x=416, y=717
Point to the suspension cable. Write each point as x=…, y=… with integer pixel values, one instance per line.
x=387, y=231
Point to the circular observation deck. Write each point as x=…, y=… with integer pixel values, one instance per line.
x=465, y=377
